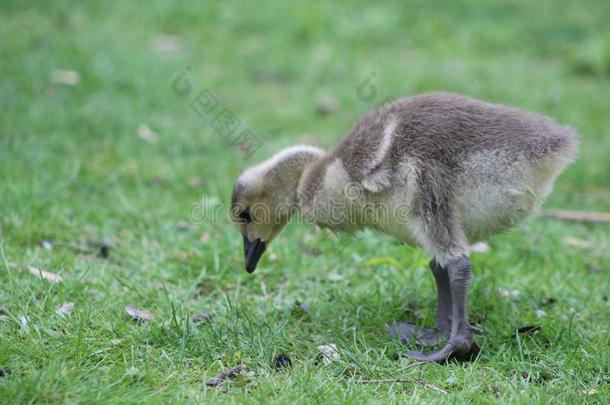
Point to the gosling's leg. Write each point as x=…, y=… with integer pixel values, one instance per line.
x=461, y=344
x=443, y=297
x=409, y=333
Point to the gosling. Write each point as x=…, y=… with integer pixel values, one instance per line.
x=436, y=170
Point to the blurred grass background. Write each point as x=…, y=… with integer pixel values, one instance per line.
x=75, y=173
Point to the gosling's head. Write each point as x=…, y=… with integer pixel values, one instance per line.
x=265, y=197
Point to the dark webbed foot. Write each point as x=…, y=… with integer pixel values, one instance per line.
x=460, y=345
x=410, y=333
x=462, y=349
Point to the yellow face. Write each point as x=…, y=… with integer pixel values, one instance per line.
x=259, y=218
x=265, y=198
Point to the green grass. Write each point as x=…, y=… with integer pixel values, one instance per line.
x=73, y=171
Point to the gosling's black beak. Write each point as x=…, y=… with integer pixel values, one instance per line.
x=253, y=250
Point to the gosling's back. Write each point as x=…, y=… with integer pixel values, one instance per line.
x=483, y=165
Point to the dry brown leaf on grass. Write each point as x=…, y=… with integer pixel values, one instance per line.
x=202, y=317
x=52, y=277
x=65, y=76
x=181, y=255
x=226, y=374
x=312, y=251
x=139, y=315
x=185, y=226
x=195, y=182
x=328, y=353
x=167, y=44
x=147, y=134
x=327, y=105
x=65, y=309
x=205, y=237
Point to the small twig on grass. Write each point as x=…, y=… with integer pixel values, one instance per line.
x=570, y=215
x=401, y=381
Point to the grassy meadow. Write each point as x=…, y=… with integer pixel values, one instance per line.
x=107, y=152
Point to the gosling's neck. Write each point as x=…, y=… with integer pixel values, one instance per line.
x=322, y=197
x=309, y=181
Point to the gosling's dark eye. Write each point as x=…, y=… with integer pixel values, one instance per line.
x=245, y=216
